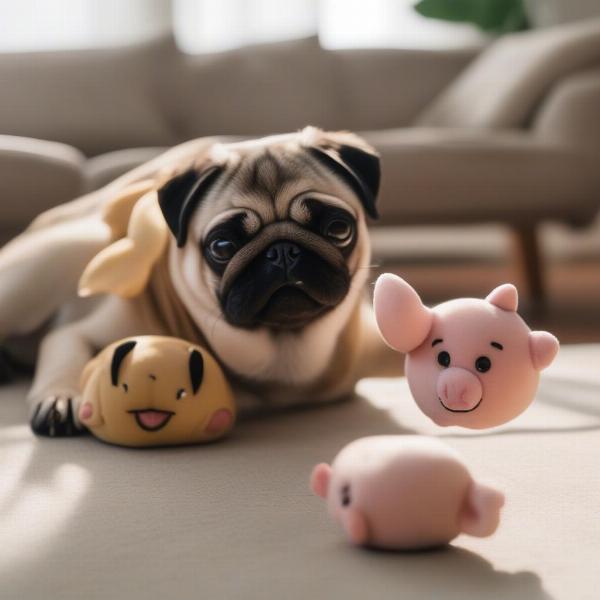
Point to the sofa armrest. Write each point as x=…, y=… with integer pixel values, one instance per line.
x=451, y=176
x=34, y=176
x=571, y=113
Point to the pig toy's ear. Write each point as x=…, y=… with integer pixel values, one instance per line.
x=319, y=479
x=543, y=347
x=481, y=510
x=505, y=296
x=403, y=320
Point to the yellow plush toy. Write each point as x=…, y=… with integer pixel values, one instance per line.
x=155, y=391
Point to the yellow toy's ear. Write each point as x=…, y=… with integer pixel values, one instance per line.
x=117, y=211
x=124, y=267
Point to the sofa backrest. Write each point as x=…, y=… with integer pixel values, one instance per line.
x=153, y=95
x=95, y=100
x=503, y=86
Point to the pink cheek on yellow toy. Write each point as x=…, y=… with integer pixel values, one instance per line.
x=86, y=411
x=220, y=421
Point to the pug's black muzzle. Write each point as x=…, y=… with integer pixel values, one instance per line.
x=284, y=283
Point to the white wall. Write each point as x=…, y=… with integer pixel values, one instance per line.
x=54, y=24
x=213, y=25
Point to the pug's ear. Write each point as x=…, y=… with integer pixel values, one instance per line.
x=180, y=196
x=121, y=351
x=351, y=159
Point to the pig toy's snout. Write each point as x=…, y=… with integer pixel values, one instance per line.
x=459, y=390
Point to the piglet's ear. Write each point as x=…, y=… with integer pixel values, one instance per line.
x=505, y=296
x=543, y=347
x=319, y=479
x=481, y=512
x=403, y=320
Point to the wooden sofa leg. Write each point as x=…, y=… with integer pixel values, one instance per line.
x=530, y=261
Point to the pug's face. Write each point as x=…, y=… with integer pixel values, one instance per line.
x=271, y=233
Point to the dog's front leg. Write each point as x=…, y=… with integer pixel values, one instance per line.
x=53, y=398
x=55, y=395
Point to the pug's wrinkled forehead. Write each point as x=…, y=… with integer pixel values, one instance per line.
x=249, y=185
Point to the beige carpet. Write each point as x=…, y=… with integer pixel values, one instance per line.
x=82, y=520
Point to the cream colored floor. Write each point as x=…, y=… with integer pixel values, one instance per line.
x=83, y=520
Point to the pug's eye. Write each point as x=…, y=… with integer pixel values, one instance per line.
x=222, y=249
x=125, y=387
x=339, y=231
x=181, y=393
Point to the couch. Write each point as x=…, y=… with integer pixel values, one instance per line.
x=509, y=134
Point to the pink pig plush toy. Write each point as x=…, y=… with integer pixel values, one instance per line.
x=405, y=492
x=470, y=362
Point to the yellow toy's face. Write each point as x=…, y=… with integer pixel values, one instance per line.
x=152, y=391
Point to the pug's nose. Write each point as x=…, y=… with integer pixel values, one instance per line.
x=284, y=255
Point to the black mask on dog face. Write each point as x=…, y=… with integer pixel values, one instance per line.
x=285, y=276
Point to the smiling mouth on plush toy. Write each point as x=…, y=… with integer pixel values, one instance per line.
x=461, y=410
x=150, y=419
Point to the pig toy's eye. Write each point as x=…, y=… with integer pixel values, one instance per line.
x=345, y=495
x=483, y=364
x=443, y=359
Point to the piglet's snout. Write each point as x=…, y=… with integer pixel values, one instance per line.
x=459, y=389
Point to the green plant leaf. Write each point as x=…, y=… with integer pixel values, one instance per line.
x=499, y=16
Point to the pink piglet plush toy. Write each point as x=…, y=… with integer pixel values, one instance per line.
x=470, y=362
x=405, y=492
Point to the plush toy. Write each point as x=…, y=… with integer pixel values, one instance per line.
x=136, y=223
x=405, y=493
x=470, y=362
x=155, y=391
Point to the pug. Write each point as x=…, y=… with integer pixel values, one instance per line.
x=264, y=263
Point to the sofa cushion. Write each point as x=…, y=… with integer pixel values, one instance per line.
x=34, y=176
x=102, y=169
x=570, y=115
x=377, y=88
x=461, y=176
x=97, y=99
x=503, y=85
x=252, y=91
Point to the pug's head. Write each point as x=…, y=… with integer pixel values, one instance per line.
x=271, y=233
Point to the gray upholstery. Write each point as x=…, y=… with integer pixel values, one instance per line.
x=95, y=100
x=102, y=169
x=470, y=176
x=570, y=115
x=35, y=175
x=153, y=95
x=502, y=88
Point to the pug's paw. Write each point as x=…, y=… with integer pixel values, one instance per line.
x=55, y=414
